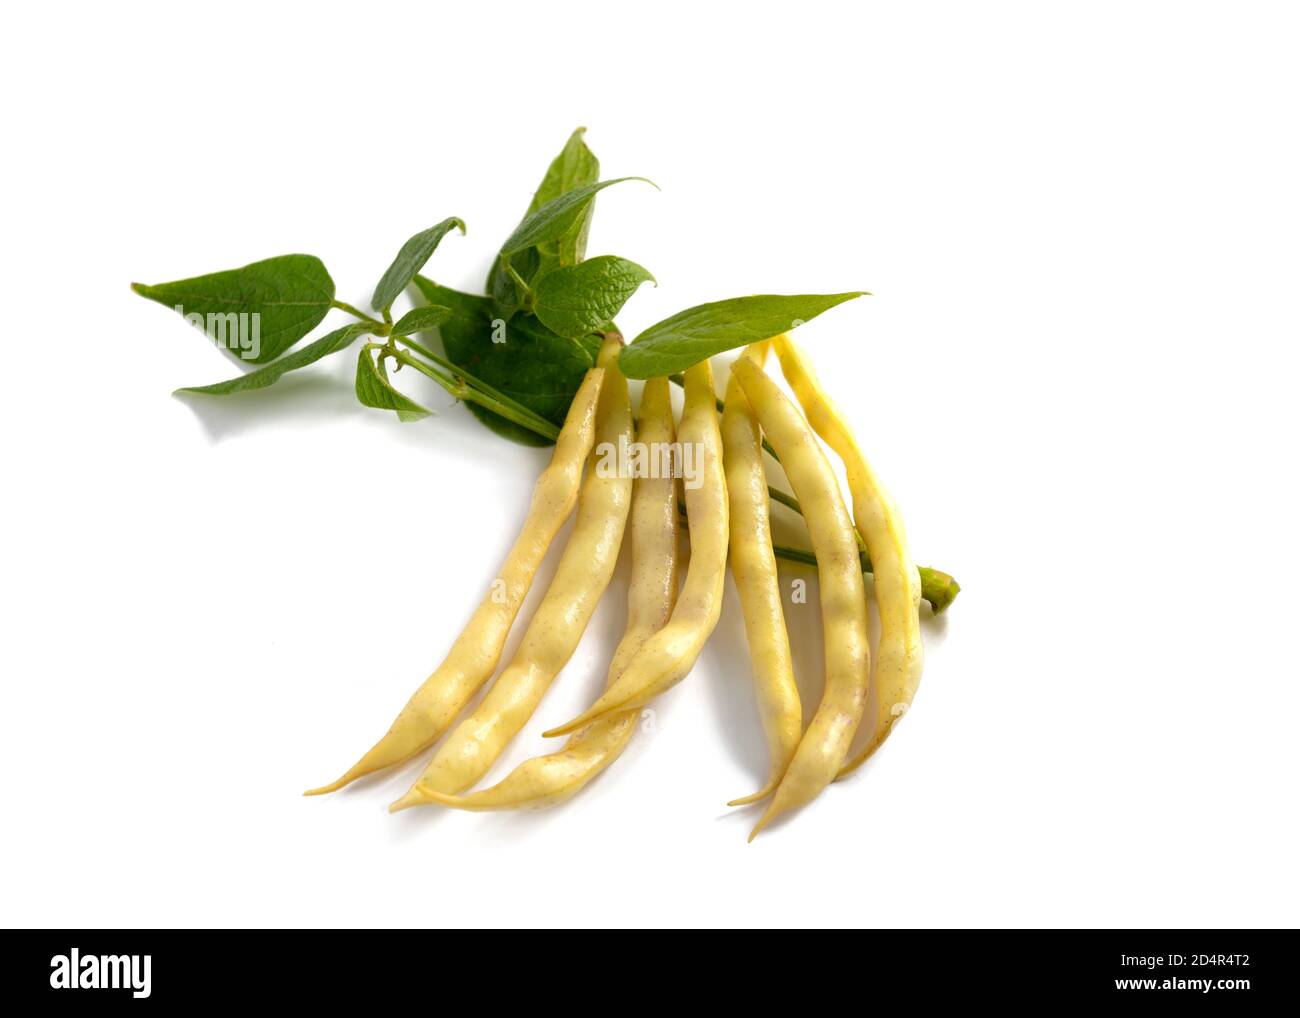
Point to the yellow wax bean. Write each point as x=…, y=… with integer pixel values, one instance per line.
x=753, y=567
x=826, y=743
x=898, y=584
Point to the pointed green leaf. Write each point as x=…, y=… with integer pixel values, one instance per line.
x=410, y=260
x=337, y=340
x=698, y=333
x=530, y=363
x=258, y=311
x=375, y=390
x=421, y=319
x=556, y=217
x=579, y=300
x=575, y=166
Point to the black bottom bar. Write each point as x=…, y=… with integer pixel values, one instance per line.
x=141, y=969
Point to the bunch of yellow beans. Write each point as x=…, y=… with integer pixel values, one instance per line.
x=727, y=520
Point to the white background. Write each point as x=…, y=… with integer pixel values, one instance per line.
x=1079, y=223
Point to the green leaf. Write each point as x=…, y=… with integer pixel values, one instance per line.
x=421, y=319
x=698, y=333
x=375, y=390
x=554, y=219
x=579, y=300
x=575, y=166
x=410, y=260
x=337, y=340
x=532, y=365
x=289, y=295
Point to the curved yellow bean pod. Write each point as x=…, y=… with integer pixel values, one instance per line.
x=753, y=567
x=549, y=780
x=826, y=743
x=474, y=656
x=898, y=584
x=666, y=658
x=584, y=571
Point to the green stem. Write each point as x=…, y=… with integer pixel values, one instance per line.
x=519, y=280
x=540, y=425
x=460, y=387
x=937, y=587
x=789, y=501
x=344, y=306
